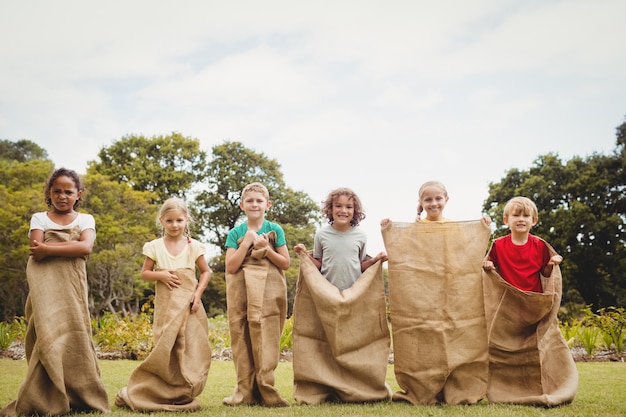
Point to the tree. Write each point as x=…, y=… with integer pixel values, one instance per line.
x=216, y=208
x=582, y=214
x=168, y=166
x=114, y=267
x=21, y=151
x=21, y=192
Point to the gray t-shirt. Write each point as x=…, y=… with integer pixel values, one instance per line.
x=341, y=254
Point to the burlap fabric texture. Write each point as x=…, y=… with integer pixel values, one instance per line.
x=340, y=339
x=63, y=374
x=175, y=372
x=257, y=307
x=529, y=360
x=437, y=311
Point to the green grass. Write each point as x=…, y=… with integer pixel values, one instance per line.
x=601, y=392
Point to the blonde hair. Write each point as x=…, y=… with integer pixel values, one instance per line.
x=256, y=187
x=171, y=204
x=424, y=186
x=521, y=205
x=327, y=206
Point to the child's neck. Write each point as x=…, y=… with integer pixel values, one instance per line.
x=255, y=224
x=519, y=238
x=341, y=228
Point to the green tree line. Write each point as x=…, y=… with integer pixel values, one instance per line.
x=581, y=213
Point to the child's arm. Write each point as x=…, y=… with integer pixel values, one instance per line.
x=382, y=256
x=71, y=249
x=205, y=277
x=300, y=248
x=235, y=257
x=555, y=260
x=279, y=257
x=167, y=277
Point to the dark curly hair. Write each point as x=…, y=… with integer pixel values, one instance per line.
x=62, y=172
x=327, y=206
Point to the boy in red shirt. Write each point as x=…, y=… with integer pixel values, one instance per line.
x=519, y=257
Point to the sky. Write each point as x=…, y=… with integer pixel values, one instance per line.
x=377, y=96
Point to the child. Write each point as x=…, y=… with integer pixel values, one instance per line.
x=175, y=372
x=256, y=294
x=519, y=257
x=339, y=249
x=433, y=197
x=338, y=294
x=63, y=374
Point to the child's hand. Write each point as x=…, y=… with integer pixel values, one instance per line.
x=488, y=266
x=261, y=241
x=487, y=220
x=555, y=260
x=170, y=279
x=385, y=222
x=382, y=256
x=249, y=239
x=299, y=248
x=38, y=250
x=194, y=303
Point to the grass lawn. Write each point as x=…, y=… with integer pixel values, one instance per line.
x=601, y=392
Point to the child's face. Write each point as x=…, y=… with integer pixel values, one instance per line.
x=519, y=222
x=343, y=212
x=63, y=194
x=174, y=223
x=254, y=204
x=433, y=201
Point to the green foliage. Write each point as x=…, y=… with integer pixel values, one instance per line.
x=219, y=335
x=21, y=151
x=286, y=338
x=6, y=337
x=168, y=166
x=582, y=214
x=612, y=323
x=570, y=331
x=114, y=268
x=129, y=336
x=21, y=192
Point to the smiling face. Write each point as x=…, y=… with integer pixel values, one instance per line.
x=433, y=199
x=174, y=223
x=63, y=194
x=343, y=212
x=254, y=204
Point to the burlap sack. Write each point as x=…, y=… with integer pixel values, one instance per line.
x=257, y=307
x=529, y=360
x=437, y=310
x=340, y=339
x=175, y=371
x=63, y=374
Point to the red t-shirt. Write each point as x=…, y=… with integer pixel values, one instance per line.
x=520, y=265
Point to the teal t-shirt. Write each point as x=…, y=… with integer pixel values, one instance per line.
x=239, y=231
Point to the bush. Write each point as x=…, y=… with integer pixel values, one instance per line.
x=130, y=337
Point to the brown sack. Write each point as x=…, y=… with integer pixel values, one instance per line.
x=340, y=339
x=257, y=307
x=437, y=310
x=63, y=374
x=176, y=370
x=529, y=360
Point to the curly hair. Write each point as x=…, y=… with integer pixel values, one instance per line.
x=327, y=206
x=62, y=172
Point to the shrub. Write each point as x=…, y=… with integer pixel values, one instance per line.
x=219, y=335
x=130, y=337
x=612, y=323
x=6, y=338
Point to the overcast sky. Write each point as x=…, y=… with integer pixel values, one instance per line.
x=378, y=96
